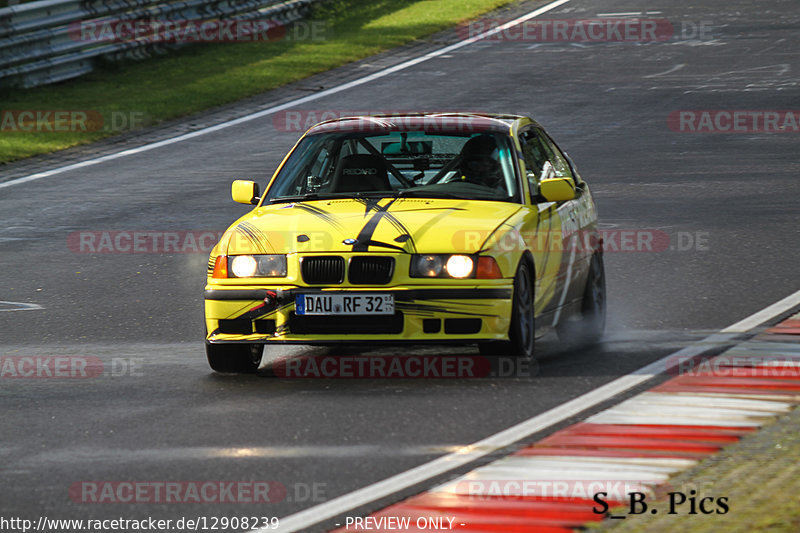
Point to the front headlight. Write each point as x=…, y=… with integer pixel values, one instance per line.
x=427, y=266
x=257, y=266
x=442, y=266
x=459, y=266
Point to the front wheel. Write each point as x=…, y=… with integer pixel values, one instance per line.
x=234, y=358
x=521, y=333
x=591, y=323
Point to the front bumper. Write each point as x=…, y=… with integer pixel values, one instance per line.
x=258, y=314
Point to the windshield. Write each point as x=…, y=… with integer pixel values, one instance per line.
x=399, y=163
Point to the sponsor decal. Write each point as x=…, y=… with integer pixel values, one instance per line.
x=360, y=171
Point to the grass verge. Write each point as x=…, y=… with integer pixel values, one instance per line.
x=759, y=475
x=198, y=77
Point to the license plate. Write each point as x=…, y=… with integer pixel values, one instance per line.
x=344, y=304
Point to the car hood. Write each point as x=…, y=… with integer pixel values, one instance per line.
x=406, y=225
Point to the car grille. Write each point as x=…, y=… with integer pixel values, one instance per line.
x=367, y=270
x=346, y=325
x=322, y=270
x=363, y=270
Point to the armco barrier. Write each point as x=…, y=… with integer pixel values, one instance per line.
x=39, y=44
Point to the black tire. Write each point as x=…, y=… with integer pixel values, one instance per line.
x=234, y=358
x=522, y=330
x=591, y=323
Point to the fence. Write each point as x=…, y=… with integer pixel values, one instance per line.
x=41, y=42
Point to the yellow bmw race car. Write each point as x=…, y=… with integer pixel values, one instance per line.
x=419, y=228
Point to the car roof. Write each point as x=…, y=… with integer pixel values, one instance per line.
x=428, y=122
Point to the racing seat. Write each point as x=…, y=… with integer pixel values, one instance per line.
x=361, y=173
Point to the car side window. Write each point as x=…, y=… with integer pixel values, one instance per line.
x=556, y=157
x=535, y=157
x=533, y=153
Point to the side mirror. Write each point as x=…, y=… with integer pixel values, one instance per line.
x=557, y=189
x=245, y=192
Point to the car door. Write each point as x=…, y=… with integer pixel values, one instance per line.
x=560, y=226
x=542, y=231
x=584, y=239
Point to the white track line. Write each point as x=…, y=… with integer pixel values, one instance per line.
x=20, y=306
x=468, y=454
x=765, y=314
x=287, y=105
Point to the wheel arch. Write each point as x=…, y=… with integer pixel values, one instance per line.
x=527, y=257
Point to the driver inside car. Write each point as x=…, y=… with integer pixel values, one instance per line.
x=480, y=162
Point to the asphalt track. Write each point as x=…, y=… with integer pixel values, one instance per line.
x=171, y=419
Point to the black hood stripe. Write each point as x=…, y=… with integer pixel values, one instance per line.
x=253, y=236
x=365, y=235
x=324, y=215
x=372, y=204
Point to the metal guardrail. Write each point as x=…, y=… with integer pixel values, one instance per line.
x=38, y=42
